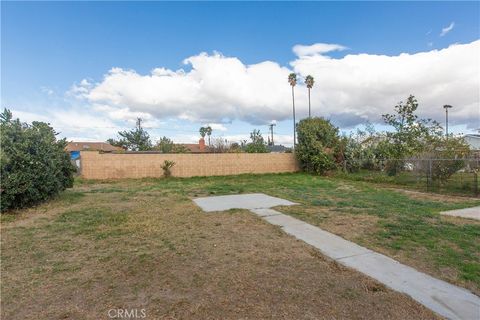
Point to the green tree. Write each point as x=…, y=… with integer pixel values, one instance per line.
x=319, y=146
x=258, y=144
x=136, y=139
x=292, y=80
x=309, y=81
x=410, y=134
x=166, y=145
x=34, y=164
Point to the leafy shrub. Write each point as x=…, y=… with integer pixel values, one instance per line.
x=258, y=144
x=352, y=153
x=166, y=145
x=319, y=146
x=451, y=150
x=167, y=166
x=34, y=164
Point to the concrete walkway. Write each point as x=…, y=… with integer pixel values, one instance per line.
x=449, y=301
x=472, y=213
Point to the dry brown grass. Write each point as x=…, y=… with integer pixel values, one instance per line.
x=110, y=245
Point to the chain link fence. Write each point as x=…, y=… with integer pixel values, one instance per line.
x=452, y=176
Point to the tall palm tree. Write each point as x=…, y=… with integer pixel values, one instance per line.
x=309, y=81
x=208, y=130
x=292, y=80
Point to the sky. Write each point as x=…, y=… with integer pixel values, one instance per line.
x=91, y=68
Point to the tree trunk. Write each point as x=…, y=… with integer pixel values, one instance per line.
x=294, y=123
x=309, y=108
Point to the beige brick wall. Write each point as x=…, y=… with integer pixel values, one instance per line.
x=97, y=165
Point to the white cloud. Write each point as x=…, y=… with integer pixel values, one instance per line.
x=349, y=90
x=447, y=29
x=364, y=86
x=316, y=49
x=217, y=89
x=217, y=126
x=47, y=91
x=72, y=124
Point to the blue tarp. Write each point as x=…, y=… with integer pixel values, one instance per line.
x=74, y=155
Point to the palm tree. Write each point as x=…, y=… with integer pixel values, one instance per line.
x=292, y=80
x=208, y=130
x=309, y=81
x=203, y=131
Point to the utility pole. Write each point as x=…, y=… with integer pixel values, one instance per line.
x=271, y=132
x=446, y=107
x=139, y=123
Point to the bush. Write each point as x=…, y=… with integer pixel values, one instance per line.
x=167, y=166
x=352, y=153
x=318, y=147
x=451, y=150
x=34, y=164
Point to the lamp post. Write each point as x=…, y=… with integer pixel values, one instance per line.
x=446, y=107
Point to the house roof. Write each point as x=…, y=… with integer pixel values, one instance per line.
x=94, y=146
x=194, y=147
x=278, y=148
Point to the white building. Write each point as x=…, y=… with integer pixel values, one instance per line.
x=473, y=140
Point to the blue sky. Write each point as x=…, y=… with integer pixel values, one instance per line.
x=49, y=47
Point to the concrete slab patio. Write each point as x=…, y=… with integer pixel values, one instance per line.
x=449, y=301
x=471, y=213
x=240, y=201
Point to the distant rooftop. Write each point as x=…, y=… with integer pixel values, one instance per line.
x=93, y=146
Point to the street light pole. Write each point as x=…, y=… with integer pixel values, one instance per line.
x=446, y=107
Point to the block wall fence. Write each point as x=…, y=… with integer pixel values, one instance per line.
x=95, y=165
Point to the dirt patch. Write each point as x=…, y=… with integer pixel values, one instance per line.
x=162, y=254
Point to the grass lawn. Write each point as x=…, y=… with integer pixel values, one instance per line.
x=144, y=244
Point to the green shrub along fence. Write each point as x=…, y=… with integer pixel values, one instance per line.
x=33, y=163
x=453, y=176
